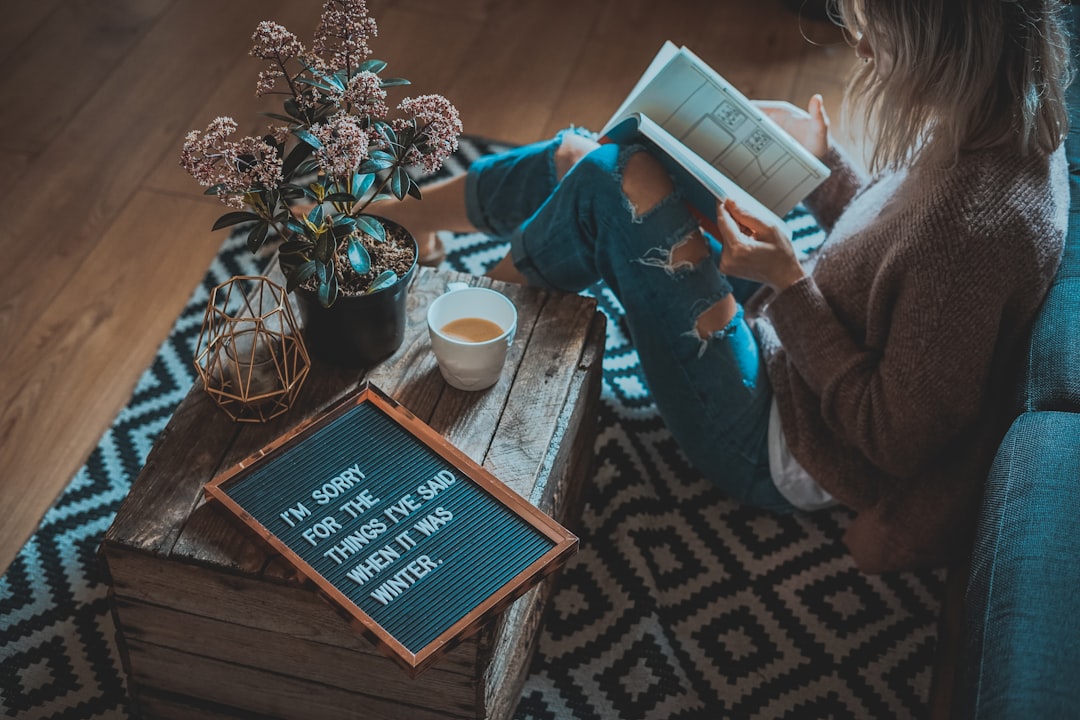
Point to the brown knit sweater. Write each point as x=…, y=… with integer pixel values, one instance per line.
x=894, y=361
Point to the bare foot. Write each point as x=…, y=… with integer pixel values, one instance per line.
x=506, y=272
x=431, y=251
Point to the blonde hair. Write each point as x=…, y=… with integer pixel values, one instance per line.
x=965, y=74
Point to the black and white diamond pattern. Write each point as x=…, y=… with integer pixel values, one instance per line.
x=680, y=605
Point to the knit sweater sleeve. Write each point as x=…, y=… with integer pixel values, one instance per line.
x=893, y=404
x=899, y=387
x=829, y=199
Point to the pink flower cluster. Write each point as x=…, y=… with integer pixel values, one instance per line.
x=343, y=32
x=439, y=125
x=366, y=95
x=274, y=42
x=267, y=81
x=344, y=144
x=237, y=166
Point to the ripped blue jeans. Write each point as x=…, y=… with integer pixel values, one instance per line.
x=713, y=392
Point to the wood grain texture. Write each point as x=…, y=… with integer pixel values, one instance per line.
x=182, y=569
x=517, y=70
x=258, y=691
x=371, y=676
x=167, y=706
x=60, y=63
x=294, y=612
x=22, y=20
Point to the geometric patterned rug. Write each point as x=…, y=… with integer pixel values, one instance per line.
x=680, y=604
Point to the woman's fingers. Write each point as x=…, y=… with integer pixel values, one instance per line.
x=755, y=249
x=731, y=230
x=752, y=223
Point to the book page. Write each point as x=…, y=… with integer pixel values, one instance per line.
x=711, y=117
x=702, y=184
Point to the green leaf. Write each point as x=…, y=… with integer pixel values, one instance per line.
x=382, y=155
x=325, y=246
x=296, y=156
x=295, y=247
x=343, y=228
x=293, y=192
x=399, y=183
x=385, y=279
x=313, y=83
x=358, y=257
x=305, y=136
x=234, y=218
x=395, y=82
x=299, y=275
x=387, y=132
x=257, y=237
x=373, y=65
x=371, y=166
x=328, y=292
x=271, y=196
x=297, y=227
x=214, y=189
x=414, y=189
x=341, y=197
x=362, y=183
x=338, y=80
x=293, y=109
x=316, y=216
x=307, y=167
x=370, y=226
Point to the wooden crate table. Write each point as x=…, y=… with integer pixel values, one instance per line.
x=213, y=624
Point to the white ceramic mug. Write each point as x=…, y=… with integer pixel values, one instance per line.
x=464, y=364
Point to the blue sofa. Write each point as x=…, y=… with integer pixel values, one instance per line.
x=1020, y=656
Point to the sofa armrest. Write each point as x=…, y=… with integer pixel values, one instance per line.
x=1022, y=604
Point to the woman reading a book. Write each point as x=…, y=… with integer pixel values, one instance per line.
x=873, y=376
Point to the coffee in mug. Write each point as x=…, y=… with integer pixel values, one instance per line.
x=471, y=330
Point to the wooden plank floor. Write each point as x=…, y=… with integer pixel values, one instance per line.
x=104, y=236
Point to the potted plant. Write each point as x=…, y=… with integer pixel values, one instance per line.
x=333, y=151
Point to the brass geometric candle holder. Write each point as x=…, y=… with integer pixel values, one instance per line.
x=250, y=354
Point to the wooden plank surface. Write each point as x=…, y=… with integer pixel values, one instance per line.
x=517, y=70
x=538, y=395
x=218, y=580
x=59, y=65
x=167, y=547
x=150, y=703
x=294, y=612
x=259, y=691
x=174, y=62
x=467, y=420
x=20, y=30
x=369, y=677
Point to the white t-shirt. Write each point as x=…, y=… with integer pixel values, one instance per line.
x=790, y=478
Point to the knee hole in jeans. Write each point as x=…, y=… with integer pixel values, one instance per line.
x=572, y=148
x=717, y=317
x=645, y=182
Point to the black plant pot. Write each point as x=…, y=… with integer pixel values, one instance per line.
x=357, y=331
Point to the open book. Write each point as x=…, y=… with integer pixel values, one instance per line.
x=713, y=140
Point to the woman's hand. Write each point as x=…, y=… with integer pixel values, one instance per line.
x=754, y=249
x=809, y=127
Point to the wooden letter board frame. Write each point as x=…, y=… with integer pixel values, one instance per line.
x=547, y=544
